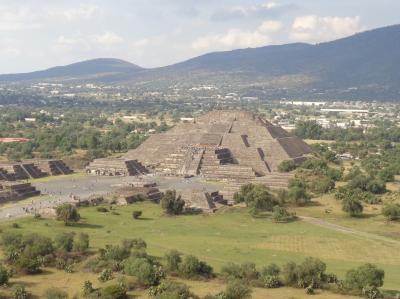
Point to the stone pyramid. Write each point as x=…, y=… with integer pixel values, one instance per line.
x=232, y=146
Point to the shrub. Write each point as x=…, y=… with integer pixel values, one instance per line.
x=376, y=187
x=55, y=293
x=87, y=288
x=192, y=267
x=309, y=273
x=271, y=270
x=147, y=273
x=173, y=259
x=81, y=243
x=297, y=193
x=169, y=289
x=334, y=174
x=287, y=166
x=365, y=276
x=256, y=197
x=391, y=211
x=236, y=289
x=136, y=214
x=271, y=282
x=245, y=272
x=114, y=252
x=352, y=206
x=172, y=204
x=102, y=210
x=105, y=275
x=4, y=275
x=280, y=214
x=19, y=292
x=64, y=241
x=387, y=174
x=28, y=265
x=323, y=185
x=67, y=213
x=113, y=292
x=359, y=182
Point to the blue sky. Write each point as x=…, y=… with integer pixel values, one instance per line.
x=36, y=34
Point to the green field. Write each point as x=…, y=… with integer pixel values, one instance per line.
x=232, y=235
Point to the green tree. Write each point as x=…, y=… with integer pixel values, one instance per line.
x=171, y=203
x=365, y=276
x=64, y=241
x=352, y=206
x=67, y=213
x=146, y=272
x=192, y=267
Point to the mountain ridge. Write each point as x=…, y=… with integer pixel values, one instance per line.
x=366, y=63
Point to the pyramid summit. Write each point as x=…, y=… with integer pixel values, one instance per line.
x=232, y=146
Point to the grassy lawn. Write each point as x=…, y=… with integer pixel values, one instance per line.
x=230, y=236
x=372, y=221
x=73, y=284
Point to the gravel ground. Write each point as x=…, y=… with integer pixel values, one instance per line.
x=65, y=190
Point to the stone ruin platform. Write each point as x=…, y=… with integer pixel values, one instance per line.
x=129, y=194
x=115, y=167
x=202, y=200
x=10, y=191
x=32, y=169
x=234, y=147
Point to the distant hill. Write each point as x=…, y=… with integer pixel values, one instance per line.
x=365, y=65
x=95, y=69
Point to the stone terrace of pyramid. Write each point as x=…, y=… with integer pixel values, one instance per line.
x=232, y=146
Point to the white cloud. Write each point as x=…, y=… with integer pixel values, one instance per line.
x=314, y=28
x=16, y=19
x=83, y=11
x=142, y=42
x=104, y=41
x=270, y=26
x=9, y=51
x=232, y=39
x=269, y=5
x=268, y=9
x=108, y=38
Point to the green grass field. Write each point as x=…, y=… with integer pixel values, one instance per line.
x=229, y=236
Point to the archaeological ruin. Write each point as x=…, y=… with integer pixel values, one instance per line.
x=229, y=147
x=115, y=167
x=10, y=191
x=32, y=169
x=234, y=147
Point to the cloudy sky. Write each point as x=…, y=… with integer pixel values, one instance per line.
x=36, y=34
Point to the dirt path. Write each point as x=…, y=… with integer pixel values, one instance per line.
x=347, y=230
